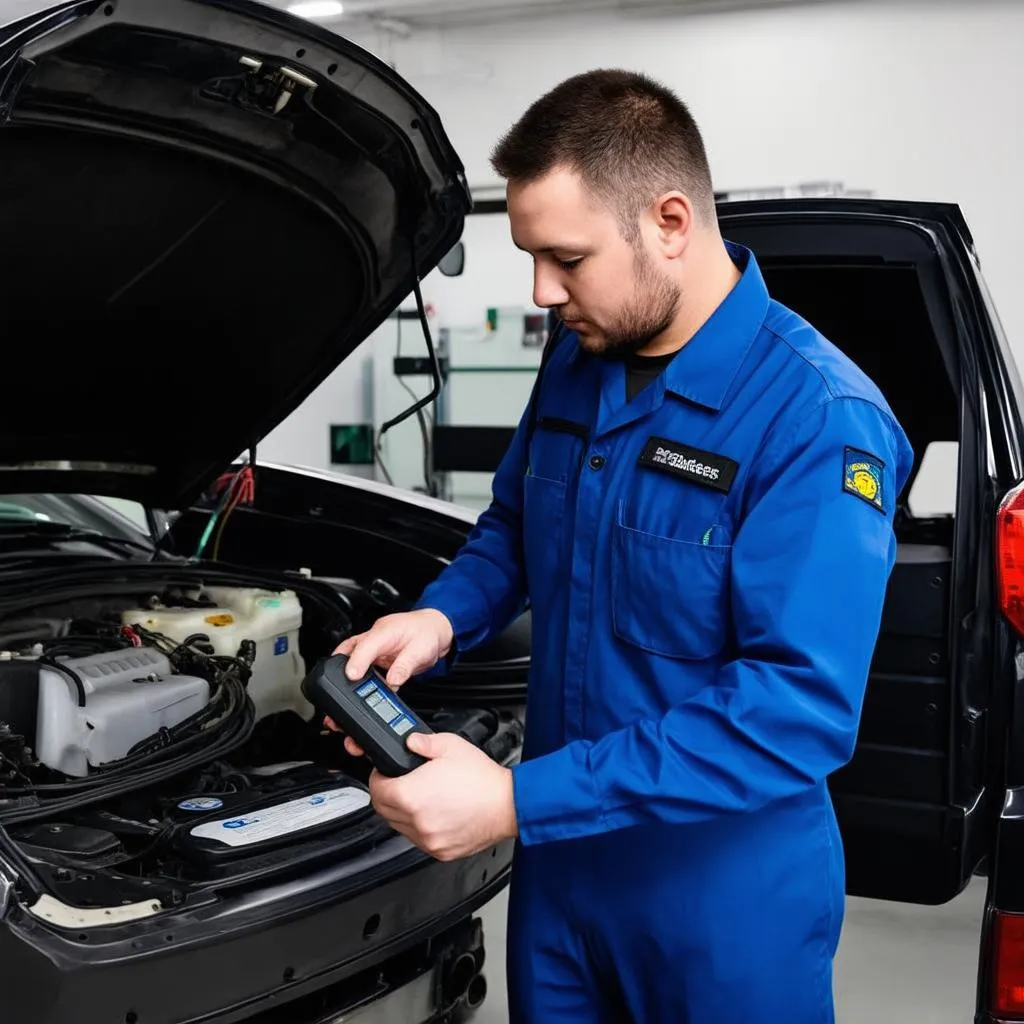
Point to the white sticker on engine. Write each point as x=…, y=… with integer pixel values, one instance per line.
x=271, y=822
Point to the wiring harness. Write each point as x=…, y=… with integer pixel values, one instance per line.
x=228, y=717
x=223, y=724
x=235, y=489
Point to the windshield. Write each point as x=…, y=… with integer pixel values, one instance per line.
x=109, y=516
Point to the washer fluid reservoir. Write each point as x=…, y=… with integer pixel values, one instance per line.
x=269, y=618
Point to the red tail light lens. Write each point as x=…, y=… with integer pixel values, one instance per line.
x=1008, y=964
x=1010, y=557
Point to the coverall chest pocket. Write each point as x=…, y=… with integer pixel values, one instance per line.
x=669, y=596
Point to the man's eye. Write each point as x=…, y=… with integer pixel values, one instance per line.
x=570, y=264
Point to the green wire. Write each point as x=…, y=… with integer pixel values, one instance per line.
x=204, y=540
x=224, y=498
x=212, y=522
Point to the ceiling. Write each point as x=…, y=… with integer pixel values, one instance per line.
x=404, y=16
x=411, y=15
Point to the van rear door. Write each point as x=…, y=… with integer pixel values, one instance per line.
x=897, y=287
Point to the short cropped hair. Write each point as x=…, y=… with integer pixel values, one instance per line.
x=627, y=137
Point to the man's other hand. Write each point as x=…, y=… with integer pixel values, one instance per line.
x=459, y=803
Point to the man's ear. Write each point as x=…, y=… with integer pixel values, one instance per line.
x=674, y=222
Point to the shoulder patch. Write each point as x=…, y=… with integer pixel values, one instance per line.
x=863, y=477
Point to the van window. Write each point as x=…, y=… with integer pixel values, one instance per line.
x=933, y=490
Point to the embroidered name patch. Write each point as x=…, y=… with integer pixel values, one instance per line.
x=863, y=477
x=699, y=467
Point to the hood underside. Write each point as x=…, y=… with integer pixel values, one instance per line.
x=205, y=206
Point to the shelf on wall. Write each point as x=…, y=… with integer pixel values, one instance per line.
x=492, y=369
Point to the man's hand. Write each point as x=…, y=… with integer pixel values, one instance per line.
x=404, y=644
x=459, y=803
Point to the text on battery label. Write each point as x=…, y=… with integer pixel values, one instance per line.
x=271, y=822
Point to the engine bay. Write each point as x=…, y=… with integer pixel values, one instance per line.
x=155, y=744
x=93, y=693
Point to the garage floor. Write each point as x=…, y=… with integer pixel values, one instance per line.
x=895, y=962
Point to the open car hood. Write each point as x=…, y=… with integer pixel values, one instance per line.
x=205, y=206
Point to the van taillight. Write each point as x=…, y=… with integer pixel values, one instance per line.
x=1010, y=557
x=1008, y=963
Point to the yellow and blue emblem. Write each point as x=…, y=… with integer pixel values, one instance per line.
x=863, y=477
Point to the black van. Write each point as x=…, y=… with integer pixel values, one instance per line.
x=932, y=795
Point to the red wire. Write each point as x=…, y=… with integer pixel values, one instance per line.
x=244, y=492
x=241, y=481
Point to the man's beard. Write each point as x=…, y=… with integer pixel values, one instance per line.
x=649, y=314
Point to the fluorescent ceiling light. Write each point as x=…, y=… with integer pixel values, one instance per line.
x=317, y=9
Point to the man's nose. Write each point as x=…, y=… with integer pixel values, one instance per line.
x=548, y=291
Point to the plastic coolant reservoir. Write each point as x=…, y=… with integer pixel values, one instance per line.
x=271, y=619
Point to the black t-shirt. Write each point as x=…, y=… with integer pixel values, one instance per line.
x=641, y=370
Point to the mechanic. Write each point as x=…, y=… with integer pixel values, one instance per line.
x=698, y=510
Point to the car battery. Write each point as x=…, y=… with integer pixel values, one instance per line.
x=267, y=816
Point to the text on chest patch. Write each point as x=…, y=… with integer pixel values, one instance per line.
x=700, y=467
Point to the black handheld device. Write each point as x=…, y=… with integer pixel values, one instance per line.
x=367, y=711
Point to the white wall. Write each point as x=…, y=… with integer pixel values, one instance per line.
x=908, y=99
x=497, y=275
x=304, y=438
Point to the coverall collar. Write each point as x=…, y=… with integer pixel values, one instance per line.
x=708, y=363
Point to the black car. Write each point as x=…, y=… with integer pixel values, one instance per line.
x=205, y=207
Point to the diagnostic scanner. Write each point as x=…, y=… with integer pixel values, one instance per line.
x=367, y=711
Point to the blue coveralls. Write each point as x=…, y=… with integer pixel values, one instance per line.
x=706, y=567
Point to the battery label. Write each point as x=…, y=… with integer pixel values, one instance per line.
x=283, y=819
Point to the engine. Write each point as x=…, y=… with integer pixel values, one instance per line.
x=94, y=710
x=129, y=683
